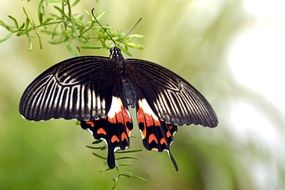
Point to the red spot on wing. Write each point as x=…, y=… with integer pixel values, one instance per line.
x=101, y=131
x=151, y=138
x=168, y=134
x=90, y=123
x=143, y=133
x=125, y=115
x=123, y=136
x=163, y=141
x=115, y=139
x=156, y=122
x=147, y=119
x=120, y=117
x=140, y=116
x=112, y=119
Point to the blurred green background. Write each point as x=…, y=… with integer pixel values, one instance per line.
x=190, y=37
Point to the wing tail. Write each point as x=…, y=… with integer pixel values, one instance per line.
x=156, y=134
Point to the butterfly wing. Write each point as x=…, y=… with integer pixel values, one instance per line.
x=165, y=100
x=171, y=98
x=76, y=88
x=85, y=88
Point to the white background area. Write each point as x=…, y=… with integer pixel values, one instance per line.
x=256, y=58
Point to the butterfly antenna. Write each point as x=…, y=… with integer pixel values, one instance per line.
x=105, y=29
x=131, y=30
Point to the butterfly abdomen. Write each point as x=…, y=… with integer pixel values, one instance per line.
x=128, y=93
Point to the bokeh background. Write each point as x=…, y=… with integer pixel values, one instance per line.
x=231, y=50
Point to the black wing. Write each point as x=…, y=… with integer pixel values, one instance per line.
x=78, y=88
x=171, y=98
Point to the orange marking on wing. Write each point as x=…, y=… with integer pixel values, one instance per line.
x=101, y=131
x=126, y=115
x=112, y=120
x=146, y=119
x=157, y=123
x=151, y=138
x=115, y=139
x=119, y=117
x=143, y=132
x=168, y=134
x=140, y=116
x=149, y=120
x=90, y=123
x=163, y=141
x=123, y=136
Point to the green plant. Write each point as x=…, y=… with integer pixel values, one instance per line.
x=56, y=19
x=119, y=165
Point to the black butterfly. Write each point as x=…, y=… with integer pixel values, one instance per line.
x=98, y=90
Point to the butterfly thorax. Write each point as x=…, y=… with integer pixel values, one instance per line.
x=118, y=59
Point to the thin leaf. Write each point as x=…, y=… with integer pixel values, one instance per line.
x=14, y=20
x=30, y=41
x=59, y=41
x=75, y=3
x=91, y=47
x=104, y=170
x=116, y=180
x=21, y=27
x=71, y=48
x=97, y=148
x=125, y=164
x=98, y=17
x=99, y=156
x=134, y=45
x=131, y=175
x=131, y=36
x=129, y=151
x=126, y=157
x=6, y=37
x=27, y=22
x=41, y=11
x=2, y=23
x=46, y=21
x=40, y=40
x=59, y=9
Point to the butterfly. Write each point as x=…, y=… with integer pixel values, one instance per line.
x=98, y=92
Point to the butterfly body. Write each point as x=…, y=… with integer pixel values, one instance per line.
x=98, y=91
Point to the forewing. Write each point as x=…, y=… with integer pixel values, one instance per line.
x=171, y=98
x=77, y=88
